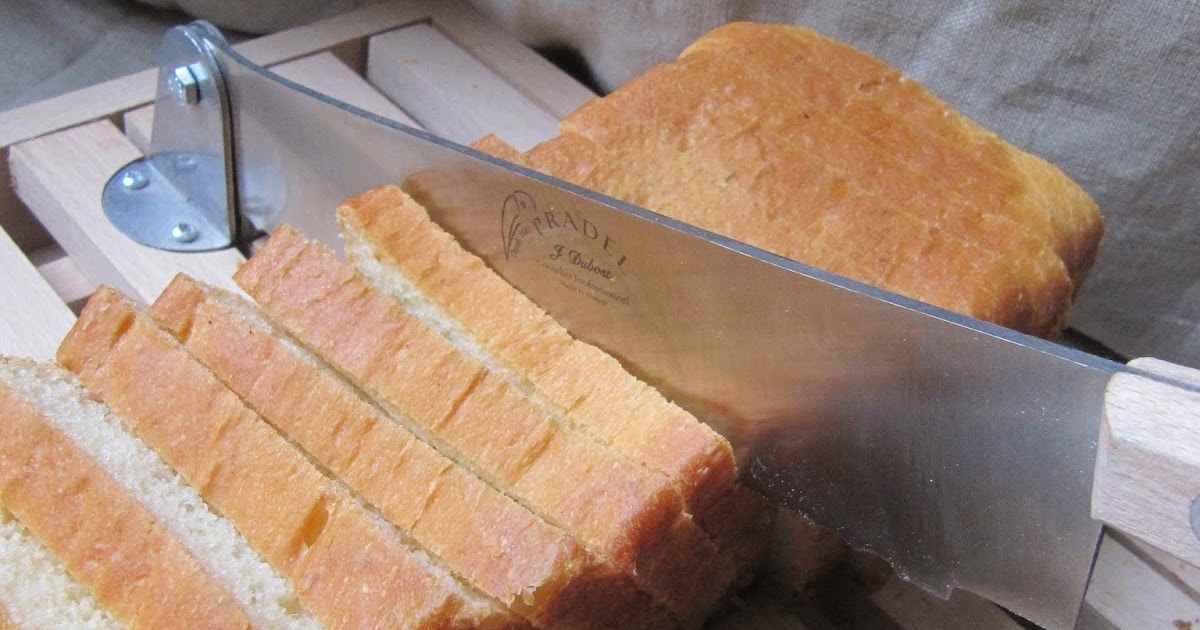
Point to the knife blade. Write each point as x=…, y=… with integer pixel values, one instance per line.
x=961, y=452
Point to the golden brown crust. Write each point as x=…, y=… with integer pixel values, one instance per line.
x=616, y=507
x=347, y=569
x=580, y=380
x=482, y=535
x=901, y=116
x=1022, y=267
x=493, y=145
x=854, y=234
x=109, y=541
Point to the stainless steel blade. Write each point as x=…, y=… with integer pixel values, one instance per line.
x=959, y=451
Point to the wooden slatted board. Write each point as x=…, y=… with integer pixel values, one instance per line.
x=440, y=66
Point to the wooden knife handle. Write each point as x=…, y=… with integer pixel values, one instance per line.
x=1147, y=481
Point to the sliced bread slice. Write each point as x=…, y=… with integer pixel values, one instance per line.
x=617, y=508
x=212, y=540
x=481, y=535
x=37, y=591
x=348, y=568
x=131, y=562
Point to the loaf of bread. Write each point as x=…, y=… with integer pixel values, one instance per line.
x=493, y=543
x=389, y=446
x=803, y=146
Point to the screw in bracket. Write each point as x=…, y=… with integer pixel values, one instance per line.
x=134, y=179
x=183, y=85
x=184, y=232
x=185, y=162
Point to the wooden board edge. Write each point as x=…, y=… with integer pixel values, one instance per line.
x=34, y=318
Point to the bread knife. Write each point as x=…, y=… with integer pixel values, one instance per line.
x=967, y=455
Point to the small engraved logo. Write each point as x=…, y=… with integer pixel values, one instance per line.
x=586, y=259
x=516, y=207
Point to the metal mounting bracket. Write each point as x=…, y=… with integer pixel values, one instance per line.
x=182, y=195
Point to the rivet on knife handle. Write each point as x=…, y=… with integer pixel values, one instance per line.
x=1147, y=480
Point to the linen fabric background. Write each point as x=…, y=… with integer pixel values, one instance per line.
x=1107, y=90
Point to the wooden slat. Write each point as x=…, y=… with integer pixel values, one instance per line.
x=63, y=275
x=26, y=232
x=450, y=92
x=327, y=74
x=60, y=177
x=1187, y=576
x=539, y=80
x=322, y=72
x=33, y=319
x=1180, y=373
x=139, y=125
x=1131, y=595
x=1127, y=568
x=532, y=75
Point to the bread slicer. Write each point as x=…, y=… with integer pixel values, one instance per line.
x=967, y=455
